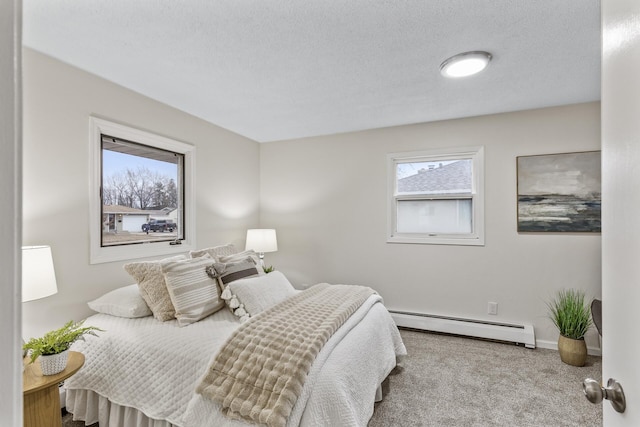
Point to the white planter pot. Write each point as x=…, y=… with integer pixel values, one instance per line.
x=53, y=364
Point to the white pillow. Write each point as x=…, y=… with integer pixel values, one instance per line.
x=122, y=302
x=257, y=294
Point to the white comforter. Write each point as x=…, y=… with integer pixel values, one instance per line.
x=154, y=367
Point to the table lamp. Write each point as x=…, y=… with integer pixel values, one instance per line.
x=262, y=240
x=38, y=274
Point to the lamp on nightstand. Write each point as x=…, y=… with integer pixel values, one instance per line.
x=38, y=274
x=262, y=240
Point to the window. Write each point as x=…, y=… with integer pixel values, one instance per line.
x=436, y=197
x=141, y=187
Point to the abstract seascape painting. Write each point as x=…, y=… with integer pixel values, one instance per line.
x=559, y=192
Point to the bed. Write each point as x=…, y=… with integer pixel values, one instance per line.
x=144, y=372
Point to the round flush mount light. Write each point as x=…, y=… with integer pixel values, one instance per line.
x=465, y=64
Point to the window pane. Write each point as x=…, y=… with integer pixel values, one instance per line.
x=141, y=193
x=441, y=177
x=434, y=216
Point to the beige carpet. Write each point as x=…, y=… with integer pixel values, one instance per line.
x=453, y=381
x=450, y=381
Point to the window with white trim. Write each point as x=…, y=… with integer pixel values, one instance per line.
x=436, y=197
x=141, y=187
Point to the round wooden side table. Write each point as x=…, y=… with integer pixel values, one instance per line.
x=40, y=392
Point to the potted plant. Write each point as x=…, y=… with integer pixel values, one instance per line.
x=268, y=270
x=52, y=348
x=572, y=316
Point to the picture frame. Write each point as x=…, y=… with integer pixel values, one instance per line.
x=559, y=193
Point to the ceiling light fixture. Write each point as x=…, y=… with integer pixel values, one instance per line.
x=465, y=64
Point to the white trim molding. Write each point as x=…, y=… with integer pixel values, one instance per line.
x=99, y=254
x=476, y=195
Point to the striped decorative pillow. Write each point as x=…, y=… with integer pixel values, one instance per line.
x=153, y=289
x=194, y=294
x=230, y=272
x=242, y=256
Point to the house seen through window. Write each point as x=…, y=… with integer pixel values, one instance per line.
x=436, y=197
x=141, y=193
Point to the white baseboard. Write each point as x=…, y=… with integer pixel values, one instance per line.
x=553, y=345
x=521, y=334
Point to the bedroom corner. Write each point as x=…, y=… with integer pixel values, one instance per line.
x=58, y=102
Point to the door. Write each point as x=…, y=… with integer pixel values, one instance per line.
x=621, y=205
x=10, y=211
x=133, y=223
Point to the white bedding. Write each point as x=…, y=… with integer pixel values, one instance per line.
x=154, y=367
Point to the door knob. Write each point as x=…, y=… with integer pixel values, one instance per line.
x=613, y=392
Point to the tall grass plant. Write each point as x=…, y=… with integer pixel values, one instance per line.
x=570, y=314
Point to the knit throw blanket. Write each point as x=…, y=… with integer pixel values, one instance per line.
x=259, y=373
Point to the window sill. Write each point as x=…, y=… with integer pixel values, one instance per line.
x=435, y=240
x=142, y=250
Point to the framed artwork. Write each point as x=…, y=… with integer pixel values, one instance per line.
x=559, y=192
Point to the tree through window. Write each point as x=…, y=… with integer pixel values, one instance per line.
x=142, y=193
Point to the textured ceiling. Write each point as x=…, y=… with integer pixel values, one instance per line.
x=276, y=69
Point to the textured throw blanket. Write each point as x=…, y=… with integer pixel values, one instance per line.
x=259, y=373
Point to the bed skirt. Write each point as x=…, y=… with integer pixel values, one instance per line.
x=90, y=407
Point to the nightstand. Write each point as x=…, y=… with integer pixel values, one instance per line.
x=40, y=392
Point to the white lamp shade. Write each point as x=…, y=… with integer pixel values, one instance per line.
x=38, y=274
x=262, y=240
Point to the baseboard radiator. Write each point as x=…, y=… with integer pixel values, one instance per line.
x=519, y=334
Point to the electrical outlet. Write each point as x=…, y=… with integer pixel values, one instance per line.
x=492, y=308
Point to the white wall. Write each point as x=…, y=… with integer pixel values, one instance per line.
x=327, y=198
x=58, y=100
x=10, y=166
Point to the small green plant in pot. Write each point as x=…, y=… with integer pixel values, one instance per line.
x=53, y=346
x=268, y=270
x=572, y=316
